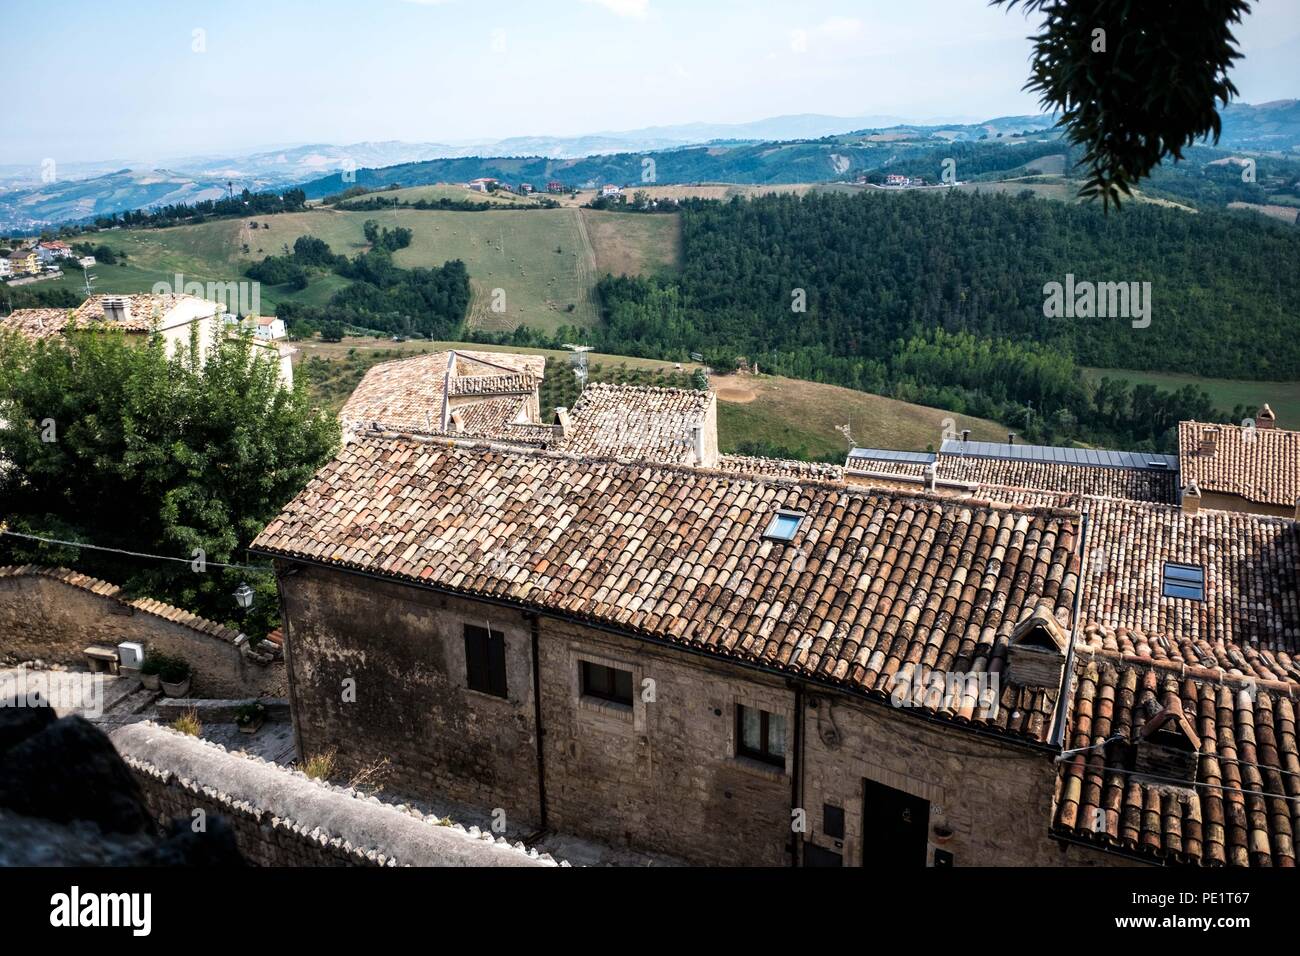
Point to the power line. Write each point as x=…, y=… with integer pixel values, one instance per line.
x=135, y=554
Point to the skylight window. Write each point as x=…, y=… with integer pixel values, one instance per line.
x=1184, y=581
x=783, y=525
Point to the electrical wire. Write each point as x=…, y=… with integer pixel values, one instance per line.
x=136, y=554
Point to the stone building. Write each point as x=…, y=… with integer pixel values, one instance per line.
x=765, y=663
x=1253, y=468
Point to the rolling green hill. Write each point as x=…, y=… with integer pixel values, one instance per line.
x=546, y=261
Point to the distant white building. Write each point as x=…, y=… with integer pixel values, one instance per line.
x=609, y=189
x=267, y=328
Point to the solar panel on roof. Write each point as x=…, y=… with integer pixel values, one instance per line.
x=889, y=454
x=1096, y=457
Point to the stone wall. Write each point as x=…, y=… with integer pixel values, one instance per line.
x=990, y=801
x=379, y=671
x=662, y=775
x=280, y=817
x=53, y=615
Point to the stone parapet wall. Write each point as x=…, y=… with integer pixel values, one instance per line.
x=281, y=817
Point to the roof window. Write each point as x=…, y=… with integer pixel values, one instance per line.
x=1184, y=581
x=783, y=525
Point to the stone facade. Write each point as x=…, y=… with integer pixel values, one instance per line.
x=43, y=617
x=662, y=775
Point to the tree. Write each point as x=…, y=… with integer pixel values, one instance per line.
x=1135, y=82
x=120, y=446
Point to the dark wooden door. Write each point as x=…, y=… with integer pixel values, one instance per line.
x=895, y=827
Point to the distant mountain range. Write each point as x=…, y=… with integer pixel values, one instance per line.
x=823, y=148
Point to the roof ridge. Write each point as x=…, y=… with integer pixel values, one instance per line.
x=839, y=484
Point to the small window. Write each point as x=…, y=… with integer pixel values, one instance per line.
x=833, y=821
x=760, y=735
x=1184, y=581
x=783, y=525
x=607, y=683
x=485, y=660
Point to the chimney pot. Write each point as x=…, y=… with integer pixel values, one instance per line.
x=965, y=435
x=1192, y=497
x=1011, y=438
x=1265, y=418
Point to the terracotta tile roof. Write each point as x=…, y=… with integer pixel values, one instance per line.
x=1236, y=814
x=490, y=418
x=1132, y=483
x=1252, y=579
x=635, y=422
x=873, y=588
x=780, y=467
x=410, y=394
x=507, y=383
x=882, y=462
x=1012, y=479
x=1260, y=464
x=36, y=323
x=111, y=591
x=146, y=309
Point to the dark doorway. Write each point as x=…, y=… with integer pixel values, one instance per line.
x=895, y=827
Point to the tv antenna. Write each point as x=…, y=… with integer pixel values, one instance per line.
x=579, y=362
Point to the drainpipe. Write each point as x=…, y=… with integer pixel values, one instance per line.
x=280, y=575
x=1067, y=682
x=534, y=628
x=796, y=772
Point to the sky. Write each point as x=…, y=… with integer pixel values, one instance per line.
x=156, y=79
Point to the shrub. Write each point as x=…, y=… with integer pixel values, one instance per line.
x=250, y=713
x=320, y=766
x=188, y=723
x=154, y=662
x=174, y=670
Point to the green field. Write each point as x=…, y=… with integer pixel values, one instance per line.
x=1284, y=397
x=544, y=261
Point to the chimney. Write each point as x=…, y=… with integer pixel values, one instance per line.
x=1265, y=418
x=965, y=435
x=117, y=308
x=457, y=422
x=1168, y=746
x=1036, y=653
x=1209, y=440
x=930, y=475
x=1192, y=497
x=1011, y=438
x=697, y=443
x=1297, y=509
x=560, y=426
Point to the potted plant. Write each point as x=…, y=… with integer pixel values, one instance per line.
x=151, y=667
x=175, y=677
x=249, y=717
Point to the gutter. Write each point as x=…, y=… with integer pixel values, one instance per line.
x=1067, y=680
x=534, y=628
x=801, y=679
x=796, y=773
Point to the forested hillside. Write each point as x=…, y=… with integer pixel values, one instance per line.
x=939, y=298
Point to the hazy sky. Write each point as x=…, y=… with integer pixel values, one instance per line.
x=132, y=79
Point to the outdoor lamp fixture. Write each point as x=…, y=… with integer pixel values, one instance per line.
x=244, y=596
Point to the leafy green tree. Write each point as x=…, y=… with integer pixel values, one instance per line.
x=118, y=445
x=1136, y=82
